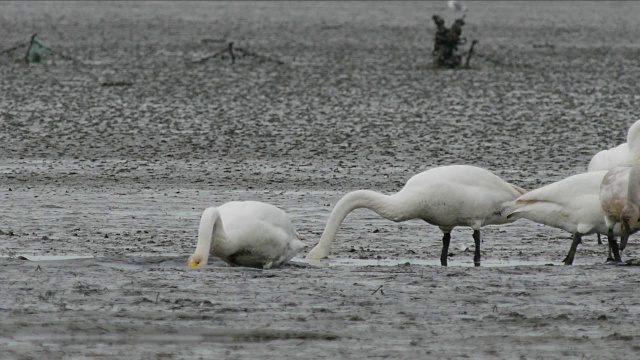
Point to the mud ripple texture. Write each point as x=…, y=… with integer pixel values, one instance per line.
x=123, y=172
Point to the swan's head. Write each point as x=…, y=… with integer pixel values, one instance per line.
x=196, y=260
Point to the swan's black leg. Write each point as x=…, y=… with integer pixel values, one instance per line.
x=626, y=231
x=599, y=239
x=577, y=238
x=609, y=253
x=476, y=255
x=613, y=247
x=446, y=239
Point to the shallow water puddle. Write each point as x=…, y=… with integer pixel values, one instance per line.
x=173, y=260
x=395, y=262
x=186, y=336
x=49, y=257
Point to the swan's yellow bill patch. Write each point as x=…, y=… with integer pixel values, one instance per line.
x=193, y=264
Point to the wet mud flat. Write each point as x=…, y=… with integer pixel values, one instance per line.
x=122, y=173
x=156, y=308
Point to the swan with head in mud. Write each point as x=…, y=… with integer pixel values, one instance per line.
x=625, y=154
x=246, y=233
x=447, y=196
x=571, y=204
x=620, y=201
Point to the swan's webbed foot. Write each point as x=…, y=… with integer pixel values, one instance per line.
x=577, y=239
x=610, y=261
x=446, y=239
x=476, y=255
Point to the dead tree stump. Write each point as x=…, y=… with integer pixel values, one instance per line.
x=446, y=43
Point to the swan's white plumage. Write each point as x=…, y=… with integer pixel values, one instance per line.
x=456, y=5
x=571, y=204
x=447, y=196
x=246, y=233
x=625, y=154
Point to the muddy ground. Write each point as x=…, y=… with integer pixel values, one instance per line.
x=113, y=145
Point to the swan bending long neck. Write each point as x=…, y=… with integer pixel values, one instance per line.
x=388, y=206
x=210, y=228
x=633, y=138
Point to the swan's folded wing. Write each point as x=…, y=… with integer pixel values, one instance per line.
x=566, y=191
x=518, y=188
x=535, y=210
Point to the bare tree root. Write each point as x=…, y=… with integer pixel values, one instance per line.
x=242, y=53
x=446, y=44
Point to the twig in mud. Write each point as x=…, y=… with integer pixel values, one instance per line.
x=495, y=308
x=262, y=57
x=157, y=295
x=618, y=307
x=26, y=55
x=230, y=49
x=38, y=268
x=15, y=47
x=116, y=83
x=470, y=53
x=379, y=287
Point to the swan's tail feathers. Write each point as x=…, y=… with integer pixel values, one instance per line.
x=518, y=189
x=531, y=209
x=508, y=208
x=297, y=245
x=513, y=215
x=514, y=209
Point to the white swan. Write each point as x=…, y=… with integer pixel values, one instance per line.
x=447, y=196
x=456, y=6
x=571, y=204
x=620, y=201
x=625, y=154
x=622, y=155
x=246, y=233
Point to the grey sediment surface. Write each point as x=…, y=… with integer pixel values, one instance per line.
x=119, y=175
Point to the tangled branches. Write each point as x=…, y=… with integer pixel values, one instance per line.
x=446, y=43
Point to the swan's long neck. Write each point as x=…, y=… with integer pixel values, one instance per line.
x=633, y=138
x=211, y=230
x=388, y=206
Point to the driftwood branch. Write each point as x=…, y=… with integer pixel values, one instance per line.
x=228, y=49
x=258, y=56
x=447, y=42
x=470, y=53
x=26, y=55
x=13, y=48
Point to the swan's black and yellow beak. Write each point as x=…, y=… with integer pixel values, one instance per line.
x=193, y=264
